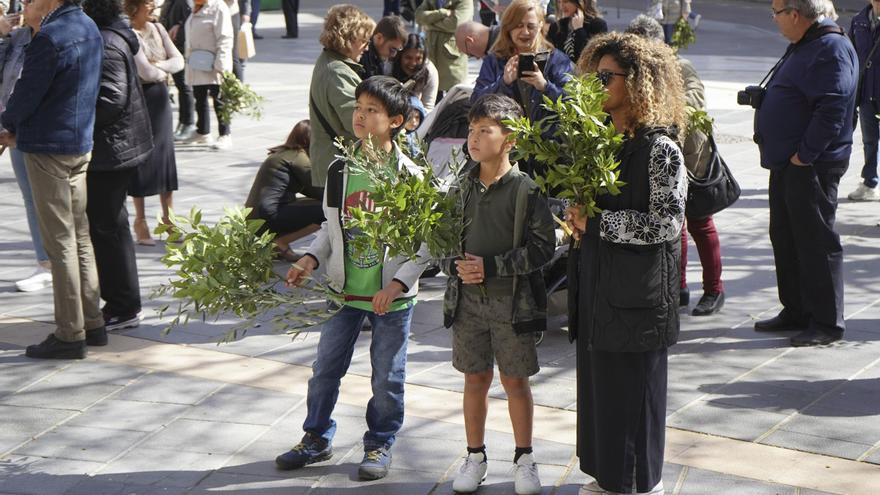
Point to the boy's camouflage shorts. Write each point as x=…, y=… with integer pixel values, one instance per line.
x=483, y=331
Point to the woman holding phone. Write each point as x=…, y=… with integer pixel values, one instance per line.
x=523, y=64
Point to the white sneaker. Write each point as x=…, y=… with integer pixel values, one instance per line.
x=657, y=490
x=223, y=143
x=40, y=279
x=525, y=476
x=184, y=132
x=592, y=488
x=471, y=474
x=864, y=193
x=204, y=139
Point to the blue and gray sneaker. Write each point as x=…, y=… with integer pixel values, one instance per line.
x=375, y=464
x=309, y=450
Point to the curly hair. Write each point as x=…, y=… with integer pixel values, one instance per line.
x=655, y=91
x=103, y=12
x=344, y=24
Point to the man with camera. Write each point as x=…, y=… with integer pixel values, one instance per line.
x=803, y=128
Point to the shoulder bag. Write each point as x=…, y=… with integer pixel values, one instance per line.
x=714, y=192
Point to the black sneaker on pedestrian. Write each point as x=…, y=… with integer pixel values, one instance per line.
x=52, y=348
x=709, y=304
x=684, y=296
x=813, y=337
x=375, y=464
x=309, y=450
x=96, y=336
x=118, y=322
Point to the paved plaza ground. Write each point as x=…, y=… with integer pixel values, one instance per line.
x=177, y=413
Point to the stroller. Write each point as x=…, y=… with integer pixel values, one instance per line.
x=445, y=130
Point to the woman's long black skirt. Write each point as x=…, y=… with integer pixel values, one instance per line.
x=159, y=173
x=622, y=418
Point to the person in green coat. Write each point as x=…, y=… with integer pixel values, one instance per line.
x=346, y=36
x=439, y=19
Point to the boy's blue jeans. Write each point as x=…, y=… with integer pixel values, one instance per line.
x=388, y=359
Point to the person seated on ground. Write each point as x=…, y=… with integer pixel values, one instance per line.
x=412, y=64
x=284, y=174
x=387, y=40
x=578, y=21
x=474, y=39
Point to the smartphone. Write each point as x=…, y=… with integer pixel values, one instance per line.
x=541, y=59
x=526, y=64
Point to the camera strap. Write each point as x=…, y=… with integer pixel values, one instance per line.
x=813, y=33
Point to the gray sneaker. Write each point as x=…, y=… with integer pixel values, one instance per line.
x=375, y=464
x=184, y=132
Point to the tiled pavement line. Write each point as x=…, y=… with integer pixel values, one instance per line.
x=69, y=418
x=827, y=393
x=711, y=453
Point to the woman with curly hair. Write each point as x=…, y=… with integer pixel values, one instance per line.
x=623, y=297
x=346, y=36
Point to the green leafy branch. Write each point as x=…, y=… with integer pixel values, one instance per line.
x=683, y=35
x=238, y=98
x=699, y=120
x=410, y=209
x=227, y=268
x=577, y=143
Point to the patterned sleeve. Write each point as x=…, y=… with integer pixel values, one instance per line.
x=668, y=190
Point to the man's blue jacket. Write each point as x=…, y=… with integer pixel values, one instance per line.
x=809, y=104
x=52, y=108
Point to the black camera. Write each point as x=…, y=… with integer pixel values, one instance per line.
x=751, y=96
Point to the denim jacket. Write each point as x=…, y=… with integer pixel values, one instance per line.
x=52, y=109
x=11, y=60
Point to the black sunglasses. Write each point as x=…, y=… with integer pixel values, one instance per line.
x=605, y=76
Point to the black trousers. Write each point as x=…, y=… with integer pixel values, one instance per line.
x=111, y=238
x=622, y=417
x=185, y=100
x=203, y=123
x=291, y=217
x=806, y=249
x=291, y=10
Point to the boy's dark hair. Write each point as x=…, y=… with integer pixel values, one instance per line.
x=392, y=94
x=495, y=107
x=391, y=27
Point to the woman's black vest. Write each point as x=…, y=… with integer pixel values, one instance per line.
x=624, y=297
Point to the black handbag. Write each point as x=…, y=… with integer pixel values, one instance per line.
x=714, y=192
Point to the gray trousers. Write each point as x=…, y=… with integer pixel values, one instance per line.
x=58, y=183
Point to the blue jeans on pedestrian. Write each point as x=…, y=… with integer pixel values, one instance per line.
x=870, y=137
x=21, y=176
x=388, y=359
x=668, y=30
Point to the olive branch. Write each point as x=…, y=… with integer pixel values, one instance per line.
x=577, y=142
x=228, y=268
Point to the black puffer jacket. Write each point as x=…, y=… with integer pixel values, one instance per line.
x=123, y=136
